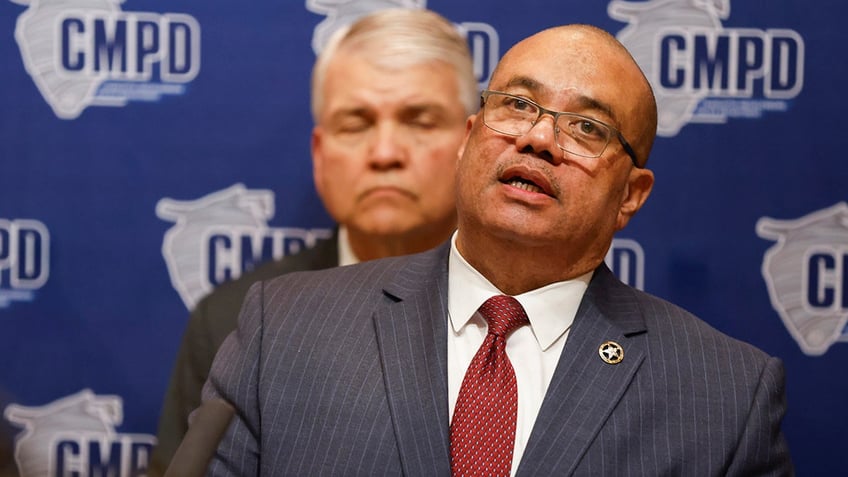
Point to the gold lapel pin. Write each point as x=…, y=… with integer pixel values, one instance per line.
x=611, y=352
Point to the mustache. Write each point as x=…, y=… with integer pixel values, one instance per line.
x=530, y=169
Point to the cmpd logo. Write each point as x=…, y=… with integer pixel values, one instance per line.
x=83, y=53
x=483, y=40
x=704, y=73
x=24, y=259
x=75, y=435
x=217, y=237
x=807, y=276
x=626, y=259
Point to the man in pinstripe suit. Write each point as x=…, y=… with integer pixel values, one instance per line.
x=356, y=370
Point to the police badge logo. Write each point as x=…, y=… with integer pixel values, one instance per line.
x=701, y=71
x=218, y=236
x=83, y=53
x=807, y=275
x=75, y=435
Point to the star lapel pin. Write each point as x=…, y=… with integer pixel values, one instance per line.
x=611, y=352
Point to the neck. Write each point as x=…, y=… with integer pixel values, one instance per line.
x=367, y=246
x=516, y=267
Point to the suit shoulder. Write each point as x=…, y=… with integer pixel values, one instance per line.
x=217, y=312
x=386, y=278
x=679, y=327
x=364, y=274
x=319, y=257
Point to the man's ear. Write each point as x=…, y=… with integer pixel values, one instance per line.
x=469, y=123
x=639, y=185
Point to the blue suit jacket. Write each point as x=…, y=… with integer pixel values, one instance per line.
x=343, y=372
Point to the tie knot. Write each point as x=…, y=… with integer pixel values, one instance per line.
x=504, y=314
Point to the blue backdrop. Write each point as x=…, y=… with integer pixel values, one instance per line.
x=151, y=150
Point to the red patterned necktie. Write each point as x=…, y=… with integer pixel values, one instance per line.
x=482, y=433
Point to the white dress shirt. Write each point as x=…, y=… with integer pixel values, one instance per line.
x=533, y=350
x=346, y=255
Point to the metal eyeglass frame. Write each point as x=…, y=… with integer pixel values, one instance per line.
x=556, y=114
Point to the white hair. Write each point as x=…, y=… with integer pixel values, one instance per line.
x=400, y=38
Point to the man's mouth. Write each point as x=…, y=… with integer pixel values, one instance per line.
x=527, y=179
x=524, y=184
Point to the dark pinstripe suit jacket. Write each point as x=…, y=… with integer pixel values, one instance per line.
x=343, y=372
x=209, y=324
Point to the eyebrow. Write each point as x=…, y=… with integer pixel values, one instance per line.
x=406, y=110
x=526, y=82
x=582, y=101
x=350, y=111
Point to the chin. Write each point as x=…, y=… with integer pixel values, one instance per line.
x=388, y=226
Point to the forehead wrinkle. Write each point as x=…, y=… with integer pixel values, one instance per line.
x=579, y=101
x=527, y=83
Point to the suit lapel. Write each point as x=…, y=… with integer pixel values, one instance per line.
x=584, y=389
x=411, y=328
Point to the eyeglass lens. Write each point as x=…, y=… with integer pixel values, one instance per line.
x=575, y=134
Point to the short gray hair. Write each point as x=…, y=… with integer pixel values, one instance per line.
x=400, y=38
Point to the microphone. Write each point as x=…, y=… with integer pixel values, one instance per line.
x=207, y=427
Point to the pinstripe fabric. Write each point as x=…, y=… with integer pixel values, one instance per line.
x=686, y=400
x=210, y=322
x=333, y=375
x=343, y=372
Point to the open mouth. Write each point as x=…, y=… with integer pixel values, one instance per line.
x=528, y=179
x=524, y=184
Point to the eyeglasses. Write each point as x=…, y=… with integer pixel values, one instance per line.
x=576, y=134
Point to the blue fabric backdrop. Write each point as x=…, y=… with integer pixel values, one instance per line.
x=151, y=150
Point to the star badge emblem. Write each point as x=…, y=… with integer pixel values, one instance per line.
x=611, y=352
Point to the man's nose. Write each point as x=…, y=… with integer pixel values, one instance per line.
x=541, y=139
x=387, y=149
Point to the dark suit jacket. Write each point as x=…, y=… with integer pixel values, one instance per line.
x=343, y=372
x=213, y=318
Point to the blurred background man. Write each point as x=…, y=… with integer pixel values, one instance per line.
x=390, y=97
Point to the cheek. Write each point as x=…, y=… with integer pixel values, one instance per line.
x=471, y=178
x=342, y=164
x=337, y=176
x=605, y=204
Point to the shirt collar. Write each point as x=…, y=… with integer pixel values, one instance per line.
x=551, y=309
x=346, y=255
